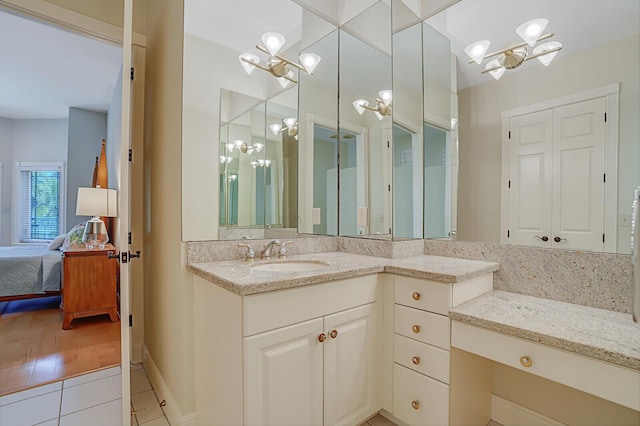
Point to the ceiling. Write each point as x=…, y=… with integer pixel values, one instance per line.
x=46, y=70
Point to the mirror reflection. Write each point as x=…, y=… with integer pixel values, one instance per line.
x=539, y=165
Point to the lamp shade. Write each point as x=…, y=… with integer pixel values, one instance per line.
x=310, y=61
x=275, y=128
x=248, y=60
x=360, y=104
x=97, y=202
x=531, y=30
x=273, y=42
x=497, y=69
x=477, y=50
x=552, y=47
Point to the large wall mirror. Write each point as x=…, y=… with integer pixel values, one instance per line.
x=425, y=152
x=539, y=165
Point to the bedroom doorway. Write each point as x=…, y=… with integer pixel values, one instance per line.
x=90, y=334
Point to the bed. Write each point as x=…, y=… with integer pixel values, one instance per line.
x=29, y=271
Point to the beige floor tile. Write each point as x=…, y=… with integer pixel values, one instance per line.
x=147, y=406
x=139, y=382
x=380, y=421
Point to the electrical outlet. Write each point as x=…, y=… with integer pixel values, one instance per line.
x=362, y=216
x=317, y=217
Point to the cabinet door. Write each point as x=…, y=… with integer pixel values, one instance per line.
x=350, y=366
x=283, y=376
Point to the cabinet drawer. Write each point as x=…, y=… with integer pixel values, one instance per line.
x=423, y=358
x=418, y=399
x=423, y=326
x=427, y=295
x=608, y=381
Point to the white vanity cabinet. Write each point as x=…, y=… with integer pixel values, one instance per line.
x=308, y=355
x=421, y=344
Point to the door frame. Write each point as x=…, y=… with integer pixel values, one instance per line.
x=41, y=11
x=611, y=93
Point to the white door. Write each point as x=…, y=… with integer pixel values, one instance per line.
x=283, y=376
x=578, y=171
x=530, y=179
x=123, y=219
x=350, y=366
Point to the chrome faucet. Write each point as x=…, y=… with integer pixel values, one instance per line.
x=250, y=255
x=268, y=248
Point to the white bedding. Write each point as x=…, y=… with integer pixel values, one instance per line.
x=29, y=269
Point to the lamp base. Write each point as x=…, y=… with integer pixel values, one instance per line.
x=95, y=234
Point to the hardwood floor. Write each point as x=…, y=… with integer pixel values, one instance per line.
x=35, y=349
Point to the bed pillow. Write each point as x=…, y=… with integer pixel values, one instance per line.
x=56, y=243
x=74, y=236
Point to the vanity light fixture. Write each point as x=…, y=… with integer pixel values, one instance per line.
x=260, y=163
x=383, y=106
x=224, y=159
x=242, y=146
x=277, y=65
x=514, y=56
x=290, y=124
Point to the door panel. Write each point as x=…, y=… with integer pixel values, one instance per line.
x=283, y=376
x=350, y=365
x=530, y=192
x=578, y=169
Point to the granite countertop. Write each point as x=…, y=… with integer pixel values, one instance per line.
x=597, y=333
x=238, y=276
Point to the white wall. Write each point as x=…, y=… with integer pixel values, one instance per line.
x=6, y=158
x=35, y=141
x=480, y=126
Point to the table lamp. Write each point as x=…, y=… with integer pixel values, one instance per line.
x=96, y=202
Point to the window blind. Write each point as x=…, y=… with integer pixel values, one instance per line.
x=40, y=205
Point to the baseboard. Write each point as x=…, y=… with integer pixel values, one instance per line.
x=508, y=413
x=171, y=409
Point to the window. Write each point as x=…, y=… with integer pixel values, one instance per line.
x=40, y=201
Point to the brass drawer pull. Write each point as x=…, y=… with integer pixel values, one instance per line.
x=416, y=296
x=415, y=328
x=415, y=404
x=334, y=333
x=526, y=361
x=322, y=338
x=415, y=360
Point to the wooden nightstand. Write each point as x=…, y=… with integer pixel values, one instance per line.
x=89, y=284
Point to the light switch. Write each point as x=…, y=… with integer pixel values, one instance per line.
x=362, y=216
x=317, y=216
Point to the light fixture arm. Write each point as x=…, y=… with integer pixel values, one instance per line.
x=517, y=46
x=546, y=52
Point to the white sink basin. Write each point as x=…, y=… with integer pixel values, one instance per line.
x=291, y=266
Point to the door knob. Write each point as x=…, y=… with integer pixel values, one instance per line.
x=322, y=338
x=543, y=238
x=558, y=239
x=416, y=328
x=416, y=296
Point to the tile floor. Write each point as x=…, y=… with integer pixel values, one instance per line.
x=91, y=399
x=378, y=420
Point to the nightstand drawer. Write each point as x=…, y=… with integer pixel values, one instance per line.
x=423, y=326
x=418, y=399
x=427, y=295
x=423, y=358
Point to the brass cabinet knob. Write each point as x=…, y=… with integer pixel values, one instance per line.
x=416, y=295
x=415, y=404
x=415, y=360
x=334, y=333
x=526, y=361
x=415, y=328
x=322, y=338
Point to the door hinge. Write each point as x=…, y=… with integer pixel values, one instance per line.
x=129, y=238
x=509, y=134
x=388, y=146
x=605, y=117
x=132, y=73
x=388, y=187
x=130, y=154
x=124, y=257
x=130, y=320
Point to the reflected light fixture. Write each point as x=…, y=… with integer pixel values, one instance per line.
x=290, y=124
x=242, y=146
x=260, y=163
x=96, y=202
x=224, y=159
x=383, y=106
x=514, y=56
x=276, y=64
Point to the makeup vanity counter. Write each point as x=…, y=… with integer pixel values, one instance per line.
x=593, y=350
